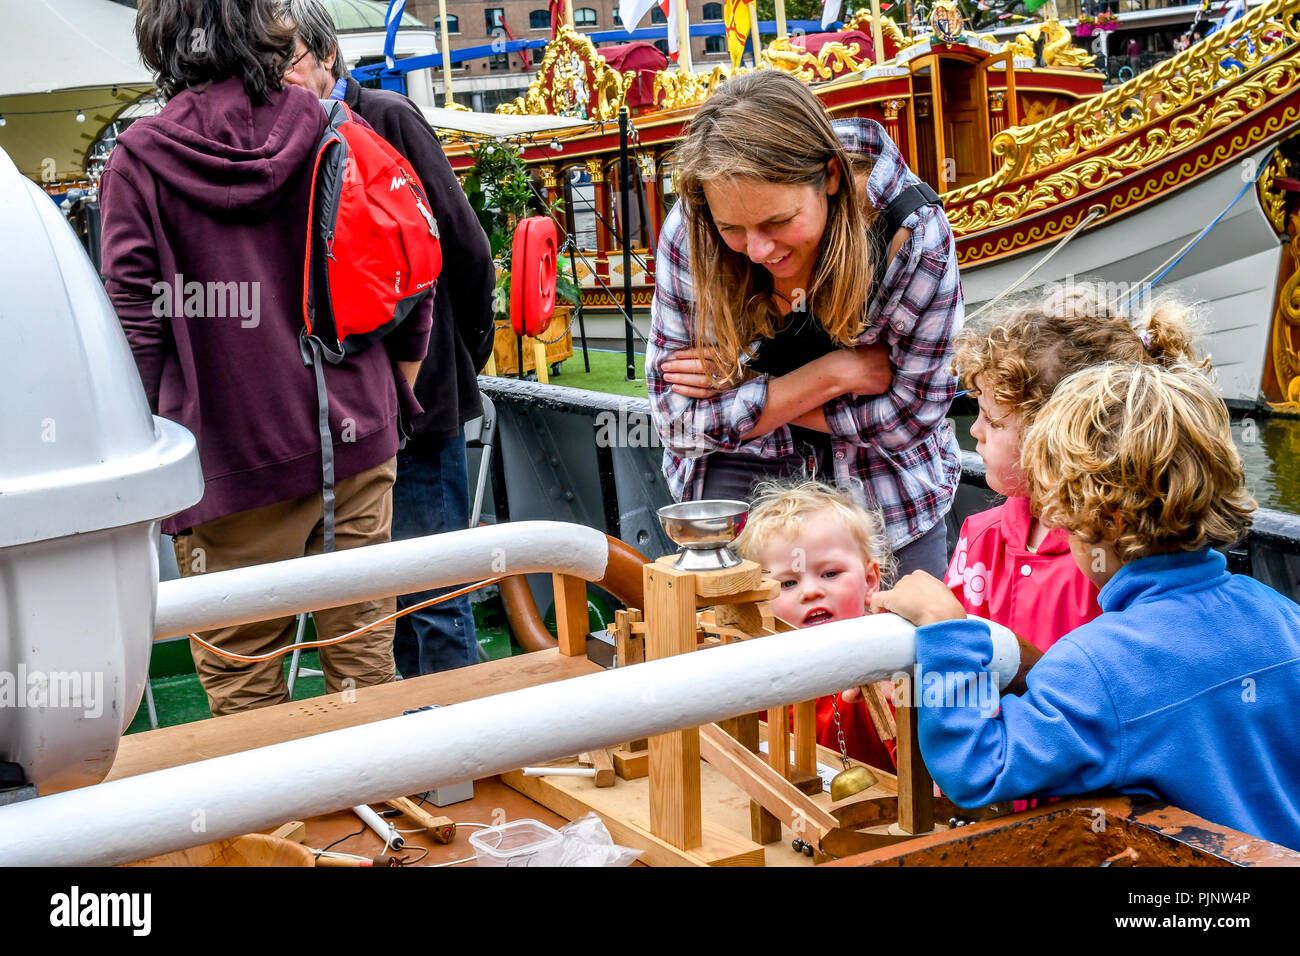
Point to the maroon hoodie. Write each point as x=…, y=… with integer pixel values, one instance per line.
x=214, y=190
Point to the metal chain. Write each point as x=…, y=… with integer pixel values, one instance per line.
x=839, y=730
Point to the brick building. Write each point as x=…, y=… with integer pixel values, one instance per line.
x=484, y=83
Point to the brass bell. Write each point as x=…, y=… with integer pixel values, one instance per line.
x=850, y=781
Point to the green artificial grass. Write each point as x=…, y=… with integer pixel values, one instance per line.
x=608, y=373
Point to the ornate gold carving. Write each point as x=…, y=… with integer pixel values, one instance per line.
x=682, y=90
x=548, y=177
x=596, y=170
x=570, y=73
x=1285, y=334
x=1059, y=49
x=892, y=108
x=1272, y=199
x=646, y=164
x=1171, y=107
x=833, y=59
x=997, y=101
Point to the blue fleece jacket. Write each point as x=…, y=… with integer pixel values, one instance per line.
x=1187, y=687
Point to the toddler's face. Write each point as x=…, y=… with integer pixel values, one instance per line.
x=996, y=431
x=821, y=572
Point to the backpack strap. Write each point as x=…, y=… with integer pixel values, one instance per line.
x=314, y=358
x=907, y=202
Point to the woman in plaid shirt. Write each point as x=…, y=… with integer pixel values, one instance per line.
x=774, y=349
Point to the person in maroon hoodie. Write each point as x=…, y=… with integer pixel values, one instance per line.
x=204, y=228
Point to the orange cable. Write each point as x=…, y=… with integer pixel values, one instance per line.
x=308, y=645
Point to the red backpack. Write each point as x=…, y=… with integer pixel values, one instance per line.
x=372, y=255
x=372, y=243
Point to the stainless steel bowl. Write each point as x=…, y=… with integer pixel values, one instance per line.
x=704, y=529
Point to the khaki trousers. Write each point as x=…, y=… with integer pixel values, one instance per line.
x=291, y=529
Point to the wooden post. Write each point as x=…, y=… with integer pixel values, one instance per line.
x=805, y=737
x=778, y=740
x=629, y=649
x=445, y=49
x=764, y=827
x=675, y=813
x=915, y=787
x=753, y=29
x=684, y=38
x=571, y=620
x=780, y=19
x=877, y=41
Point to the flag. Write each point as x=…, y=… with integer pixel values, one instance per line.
x=736, y=16
x=557, y=17
x=632, y=12
x=830, y=12
x=1032, y=5
x=392, y=19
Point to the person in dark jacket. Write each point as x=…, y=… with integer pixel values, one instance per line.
x=432, y=490
x=205, y=211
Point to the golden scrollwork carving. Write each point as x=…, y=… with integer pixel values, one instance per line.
x=1271, y=198
x=1158, y=114
x=548, y=177
x=1284, y=339
x=596, y=170
x=682, y=90
x=1058, y=50
x=833, y=59
x=571, y=72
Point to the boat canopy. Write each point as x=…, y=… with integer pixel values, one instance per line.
x=66, y=58
x=499, y=124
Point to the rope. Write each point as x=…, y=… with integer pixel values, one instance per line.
x=308, y=645
x=1094, y=212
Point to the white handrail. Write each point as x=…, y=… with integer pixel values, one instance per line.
x=284, y=588
x=153, y=813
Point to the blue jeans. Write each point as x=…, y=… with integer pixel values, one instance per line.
x=431, y=496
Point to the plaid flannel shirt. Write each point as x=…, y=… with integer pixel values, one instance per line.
x=895, y=451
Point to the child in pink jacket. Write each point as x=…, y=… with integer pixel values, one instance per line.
x=1007, y=567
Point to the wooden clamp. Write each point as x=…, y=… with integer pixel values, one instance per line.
x=440, y=829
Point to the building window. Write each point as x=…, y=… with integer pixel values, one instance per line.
x=715, y=45
x=662, y=45
x=537, y=53
x=657, y=15
x=618, y=21
x=712, y=11
x=584, y=17
x=539, y=19
x=453, y=24
x=499, y=61
x=495, y=18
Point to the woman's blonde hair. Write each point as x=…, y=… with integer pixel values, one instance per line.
x=1033, y=343
x=783, y=508
x=1139, y=455
x=767, y=126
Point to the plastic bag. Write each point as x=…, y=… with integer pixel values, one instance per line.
x=587, y=843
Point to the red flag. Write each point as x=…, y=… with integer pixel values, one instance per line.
x=557, y=16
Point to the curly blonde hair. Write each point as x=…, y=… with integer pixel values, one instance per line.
x=783, y=508
x=1138, y=455
x=1033, y=343
x=767, y=126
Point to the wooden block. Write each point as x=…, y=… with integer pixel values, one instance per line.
x=915, y=787
x=604, y=767
x=540, y=363
x=878, y=708
x=764, y=827
x=746, y=617
x=632, y=764
x=747, y=576
x=571, y=620
x=295, y=831
x=767, y=590
x=808, y=783
x=623, y=811
x=763, y=784
x=675, y=814
x=805, y=737
x=778, y=729
x=629, y=648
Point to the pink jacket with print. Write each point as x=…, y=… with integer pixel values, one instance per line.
x=1041, y=595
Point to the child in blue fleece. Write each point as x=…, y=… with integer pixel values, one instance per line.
x=1188, y=685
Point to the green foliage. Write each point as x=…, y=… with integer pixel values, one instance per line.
x=499, y=192
x=794, y=10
